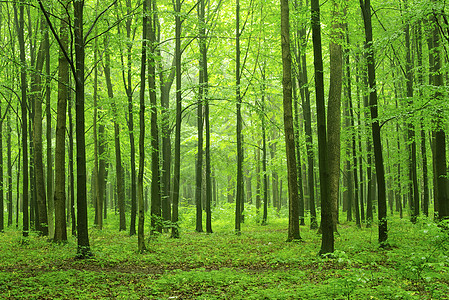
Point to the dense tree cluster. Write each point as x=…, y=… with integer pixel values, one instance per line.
x=134, y=106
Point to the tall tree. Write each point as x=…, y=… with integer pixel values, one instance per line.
x=49, y=157
x=204, y=79
x=118, y=153
x=127, y=82
x=414, y=203
x=177, y=165
x=140, y=228
x=20, y=25
x=305, y=99
x=63, y=91
x=327, y=241
x=36, y=89
x=239, y=137
x=81, y=190
x=293, y=220
x=334, y=107
x=155, y=173
x=375, y=125
x=442, y=197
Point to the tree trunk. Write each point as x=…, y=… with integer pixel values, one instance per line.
x=41, y=198
x=118, y=154
x=375, y=126
x=442, y=197
x=305, y=97
x=177, y=165
x=50, y=200
x=140, y=200
x=414, y=203
x=81, y=191
x=298, y=156
x=204, y=89
x=155, y=172
x=334, y=109
x=293, y=219
x=20, y=25
x=327, y=241
x=239, y=138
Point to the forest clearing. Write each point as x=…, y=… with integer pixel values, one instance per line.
x=258, y=264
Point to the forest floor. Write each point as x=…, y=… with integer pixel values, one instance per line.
x=258, y=264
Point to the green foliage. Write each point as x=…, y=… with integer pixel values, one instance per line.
x=258, y=264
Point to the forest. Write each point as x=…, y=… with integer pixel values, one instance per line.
x=215, y=149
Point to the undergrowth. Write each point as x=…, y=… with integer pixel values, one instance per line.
x=258, y=264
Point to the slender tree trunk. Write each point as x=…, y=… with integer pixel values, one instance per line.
x=307, y=113
x=199, y=118
x=375, y=126
x=204, y=88
x=239, y=137
x=129, y=94
x=9, y=159
x=140, y=200
x=118, y=154
x=155, y=172
x=414, y=203
x=177, y=165
x=50, y=200
x=81, y=190
x=41, y=198
x=71, y=160
x=20, y=25
x=199, y=157
x=327, y=241
x=264, y=153
x=293, y=220
x=420, y=81
x=298, y=157
x=351, y=122
x=63, y=91
x=98, y=220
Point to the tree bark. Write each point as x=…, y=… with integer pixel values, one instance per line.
x=118, y=154
x=20, y=25
x=293, y=219
x=334, y=109
x=239, y=137
x=177, y=165
x=375, y=126
x=155, y=172
x=81, y=190
x=141, y=208
x=327, y=241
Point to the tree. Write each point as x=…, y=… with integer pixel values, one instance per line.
x=204, y=78
x=155, y=173
x=177, y=165
x=334, y=110
x=20, y=25
x=375, y=125
x=81, y=190
x=36, y=90
x=293, y=223
x=118, y=154
x=239, y=179
x=439, y=158
x=63, y=90
x=140, y=228
x=327, y=241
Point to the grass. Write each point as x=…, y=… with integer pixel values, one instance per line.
x=258, y=264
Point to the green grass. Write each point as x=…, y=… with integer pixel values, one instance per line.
x=258, y=264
